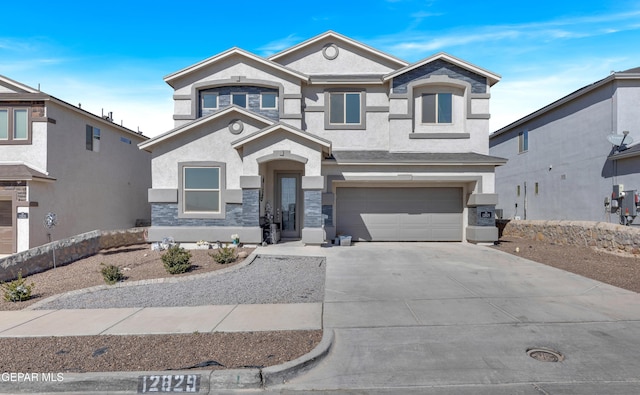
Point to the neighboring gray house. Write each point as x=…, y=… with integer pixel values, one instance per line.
x=55, y=157
x=329, y=137
x=561, y=163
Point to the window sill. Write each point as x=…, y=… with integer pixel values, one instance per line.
x=439, y=136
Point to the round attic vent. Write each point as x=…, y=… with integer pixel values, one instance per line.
x=236, y=126
x=330, y=51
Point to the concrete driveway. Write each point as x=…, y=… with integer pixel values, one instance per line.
x=452, y=318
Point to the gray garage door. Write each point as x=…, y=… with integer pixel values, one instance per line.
x=400, y=214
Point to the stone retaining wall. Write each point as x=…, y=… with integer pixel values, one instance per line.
x=69, y=250
x=612, y=237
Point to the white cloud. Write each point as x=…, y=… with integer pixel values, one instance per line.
x=279, y=45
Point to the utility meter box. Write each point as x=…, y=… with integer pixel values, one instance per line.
x=617, y=191
x=628, y=206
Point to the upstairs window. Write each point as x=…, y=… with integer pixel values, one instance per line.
x=239, y=99
x=92, y=138
x=523, y=141
x=268, y=101
x=15, y=125
x=209, y=101
x=201, y=190
x=437, y=108
x=344, y=108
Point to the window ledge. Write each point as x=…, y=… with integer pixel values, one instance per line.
x=439, y=136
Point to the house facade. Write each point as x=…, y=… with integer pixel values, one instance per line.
x=329, y=137
x=57, y=158
x=562, y=162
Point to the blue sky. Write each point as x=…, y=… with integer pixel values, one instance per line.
x=113, y=55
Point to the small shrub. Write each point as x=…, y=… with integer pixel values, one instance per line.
x=17, y=290
x=176, y=260
x=111, y=274
x=225, y=254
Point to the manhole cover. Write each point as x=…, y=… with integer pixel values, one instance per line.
x=545, y=355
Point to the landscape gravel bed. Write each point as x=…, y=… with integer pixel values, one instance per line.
x=268, y=279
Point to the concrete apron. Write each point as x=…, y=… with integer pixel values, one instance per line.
x=453, y=318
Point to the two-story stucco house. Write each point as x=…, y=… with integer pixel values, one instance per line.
x=57, y=158
x=329, y=137
x=562, y=164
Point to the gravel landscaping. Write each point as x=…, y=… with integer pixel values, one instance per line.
x=267, y=279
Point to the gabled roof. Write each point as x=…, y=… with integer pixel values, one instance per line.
x=631, y=74
x=338, y=37
x=282, y=126
x=21, y=172
x=229, y=53
x=492, y=77
x=20, y=88
x=201, y=121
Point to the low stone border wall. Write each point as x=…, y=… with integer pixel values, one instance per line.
x=69, y=250
x=612, y=237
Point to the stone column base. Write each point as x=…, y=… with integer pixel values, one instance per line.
x=313, y=236
x=482, y=234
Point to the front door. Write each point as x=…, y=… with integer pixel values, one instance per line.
x=288, y=204
x=7, y=235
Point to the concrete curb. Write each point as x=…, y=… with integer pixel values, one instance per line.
x=210, y=382
x=279, y=374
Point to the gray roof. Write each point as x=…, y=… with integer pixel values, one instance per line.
x=453, y=158
x=21, y=173
x=629, y=152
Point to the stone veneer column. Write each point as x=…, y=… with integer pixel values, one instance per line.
x=482, y=218
x=312, y=231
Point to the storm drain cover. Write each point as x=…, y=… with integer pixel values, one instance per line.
x=545, y=355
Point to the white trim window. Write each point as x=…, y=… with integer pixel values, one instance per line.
x=268, y=101
x=201, y=190
x=92, y=139
x=209, y=101
x=437, y=108
x=239, y=99
x=345, y=108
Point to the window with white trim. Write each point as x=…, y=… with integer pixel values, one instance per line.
x=209, y=101
x=15, y=125
x=437, y=108
x=92, y=138
x=201, y=190
x=345, y=108
x=268, y=100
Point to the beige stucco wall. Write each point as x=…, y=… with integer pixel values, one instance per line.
x=93, y=190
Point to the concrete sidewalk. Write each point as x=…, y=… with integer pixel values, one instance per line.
x=161, y=320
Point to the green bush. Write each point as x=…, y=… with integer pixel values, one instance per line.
x=17, y=290
x=176, y=260
x=225, y=254
x=111, y=274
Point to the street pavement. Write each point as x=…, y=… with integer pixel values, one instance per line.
x=455, y=318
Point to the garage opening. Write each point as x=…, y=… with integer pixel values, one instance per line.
x=400, y=214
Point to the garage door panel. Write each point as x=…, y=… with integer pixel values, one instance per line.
x=400, y=214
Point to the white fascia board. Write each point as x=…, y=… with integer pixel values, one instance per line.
x=332, y=34
x=18, y=85
x=230, y=52
x=259, y=134
x=200, y=121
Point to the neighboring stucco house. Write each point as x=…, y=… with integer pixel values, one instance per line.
x=562, y=165
x=58, y=158
x=329, y=137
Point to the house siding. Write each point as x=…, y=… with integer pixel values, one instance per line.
x=253, y=99
x=313, y=209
